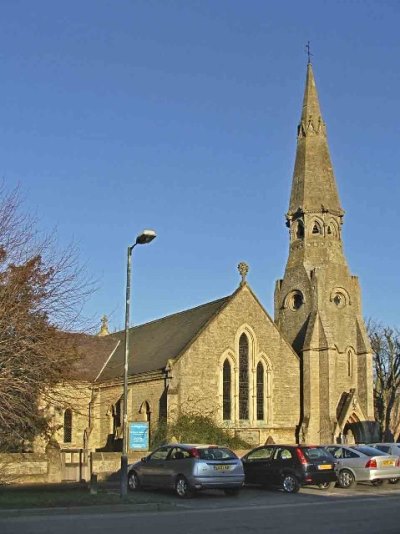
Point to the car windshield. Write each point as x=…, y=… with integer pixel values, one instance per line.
x=316, y=453
x=368, y=451
x=216, y=453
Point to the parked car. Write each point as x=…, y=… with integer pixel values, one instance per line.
x=289, y=467
x=187, y=469
x=361, y=463
x=389, y=448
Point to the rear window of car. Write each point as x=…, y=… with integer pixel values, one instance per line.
x=316, y=453
x=216, y=453
x=383, y=448
x=369, y=451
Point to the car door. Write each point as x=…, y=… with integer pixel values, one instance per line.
x=337, y=453
x=283, y=462
x=178, y=461
x=355, y=461
x=153, y=471
x=257, y=465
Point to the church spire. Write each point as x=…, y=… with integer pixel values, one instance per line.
x=318, y=301
x=310, y=101
x=314, y=187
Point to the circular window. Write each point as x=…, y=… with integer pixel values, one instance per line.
x=295, y=300
x=339, y=300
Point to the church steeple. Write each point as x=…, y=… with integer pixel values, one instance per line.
x=314, y=187
x=318, y=301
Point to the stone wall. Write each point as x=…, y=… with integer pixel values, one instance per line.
x=106, y=464
x=24, y=468
x=196, y=385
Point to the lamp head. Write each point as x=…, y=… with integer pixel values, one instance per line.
x=145, y=237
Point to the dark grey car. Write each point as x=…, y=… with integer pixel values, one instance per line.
x=188, y=468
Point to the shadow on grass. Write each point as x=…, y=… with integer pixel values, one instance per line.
x=72, y=494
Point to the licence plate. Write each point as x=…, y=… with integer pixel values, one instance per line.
x=388, y=462
x=222, y=467
x=325, y=466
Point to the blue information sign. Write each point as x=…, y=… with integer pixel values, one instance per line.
x=138, y=436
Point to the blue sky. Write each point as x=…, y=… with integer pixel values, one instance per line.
x=117, y=115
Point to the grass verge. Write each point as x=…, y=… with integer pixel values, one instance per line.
x=18, y=499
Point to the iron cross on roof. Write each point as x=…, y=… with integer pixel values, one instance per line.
x=308, y=50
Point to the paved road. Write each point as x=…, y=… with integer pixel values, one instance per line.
x=364, y=510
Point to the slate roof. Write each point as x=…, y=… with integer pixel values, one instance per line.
x=93, y=352
x=151, y=345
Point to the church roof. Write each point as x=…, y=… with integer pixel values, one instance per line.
x=314, y=186
x=151, y=345
x=93, y=352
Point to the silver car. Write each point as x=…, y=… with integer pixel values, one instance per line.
x=187, y=469
x=361, y=463
x=389, y=448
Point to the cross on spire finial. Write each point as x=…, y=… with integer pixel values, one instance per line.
x=243, y=269
x=308, y=50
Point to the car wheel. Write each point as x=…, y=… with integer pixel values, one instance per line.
x=133, y=481
x=377, y=482
x=232, y=492
x=394, y=480
x=326, y=485
x=346, y=479
x=182, y=488
x=290, y=484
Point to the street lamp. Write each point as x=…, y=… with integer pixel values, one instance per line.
x=142, y=239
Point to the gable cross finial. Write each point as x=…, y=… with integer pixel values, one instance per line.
x=308, y=50
x=104, y=326
x=243, y=269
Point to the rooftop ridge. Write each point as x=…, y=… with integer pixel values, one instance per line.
x=221, y=300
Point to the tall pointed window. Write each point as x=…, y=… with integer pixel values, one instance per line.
x=316, y=229
x=260, y=391
x=349, y=363
x=117, y=411
x=226, y=391
x=243, y=377
x=300, y=230
x=68, y=425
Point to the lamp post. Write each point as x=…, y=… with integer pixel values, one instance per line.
x=142, y=239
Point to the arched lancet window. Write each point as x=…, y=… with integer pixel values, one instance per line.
x=332, y=229
x=243, y=377
x=145, y=410
x=68, y=425
x=260, y=391
x=226, y=391
x=349, y=363
x=117, y=413
x=316, y=229
x=300, y=230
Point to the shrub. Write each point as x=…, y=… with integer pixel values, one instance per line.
x=191, y=428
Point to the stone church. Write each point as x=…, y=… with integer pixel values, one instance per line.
x=305, y=376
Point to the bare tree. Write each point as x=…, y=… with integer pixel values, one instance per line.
x=41, y=294
x=385, y=343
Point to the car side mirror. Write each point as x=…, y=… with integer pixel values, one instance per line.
x=144, y=459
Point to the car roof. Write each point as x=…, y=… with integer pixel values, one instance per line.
x=195, y=445
x=389, y=444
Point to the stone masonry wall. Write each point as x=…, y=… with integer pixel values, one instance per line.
x=197, y=376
